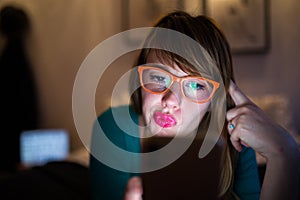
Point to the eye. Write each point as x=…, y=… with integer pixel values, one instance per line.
x=195, y=85
x=160, y=79
x=157, y=78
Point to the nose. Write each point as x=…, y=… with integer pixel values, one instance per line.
x=172, y=98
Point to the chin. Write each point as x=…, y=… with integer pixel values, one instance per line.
x=156, y=130
x=165, y=133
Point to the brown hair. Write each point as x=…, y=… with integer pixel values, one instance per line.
x=204, y=31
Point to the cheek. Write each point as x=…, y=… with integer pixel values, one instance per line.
x=145, y=99
x=148, y=101
x=193, y=114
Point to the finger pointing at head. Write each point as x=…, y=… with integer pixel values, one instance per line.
x=240, y=100
x=237, y=95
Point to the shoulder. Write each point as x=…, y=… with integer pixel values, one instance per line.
x=116, y=114
x=119, y=125
x=121, y=119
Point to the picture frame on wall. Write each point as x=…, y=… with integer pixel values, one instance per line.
x=143, y=13
x=245, y=23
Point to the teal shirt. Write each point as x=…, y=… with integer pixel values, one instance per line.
x=108, y=183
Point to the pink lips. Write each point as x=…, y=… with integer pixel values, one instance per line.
x=164, y=120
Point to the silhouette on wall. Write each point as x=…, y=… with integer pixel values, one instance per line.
x=18, y=92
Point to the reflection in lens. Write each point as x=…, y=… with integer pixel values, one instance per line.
x=197, y=89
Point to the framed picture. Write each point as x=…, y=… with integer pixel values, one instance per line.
x=244, y=22
x=143, y=13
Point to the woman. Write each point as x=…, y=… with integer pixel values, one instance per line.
x=178, y=95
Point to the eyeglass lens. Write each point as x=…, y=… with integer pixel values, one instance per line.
x=158, y=81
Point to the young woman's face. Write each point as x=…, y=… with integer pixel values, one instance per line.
x=171, y=113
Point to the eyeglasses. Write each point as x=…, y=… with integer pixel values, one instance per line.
x=158, y=81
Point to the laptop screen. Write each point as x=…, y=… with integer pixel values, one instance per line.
x=38, y=147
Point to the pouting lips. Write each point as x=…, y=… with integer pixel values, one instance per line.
x=164, y=120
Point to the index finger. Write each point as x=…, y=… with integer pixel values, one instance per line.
x=237, y=95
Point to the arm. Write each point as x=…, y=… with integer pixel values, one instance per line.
x=109, y=183
x=281, y=179
x=253, y=128
x=106, y=182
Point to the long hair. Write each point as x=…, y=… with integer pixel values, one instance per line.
x=210, y=37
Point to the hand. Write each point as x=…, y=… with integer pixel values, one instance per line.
x=134, y=189
x=253, y=128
